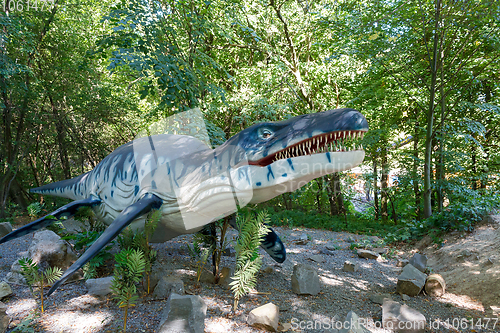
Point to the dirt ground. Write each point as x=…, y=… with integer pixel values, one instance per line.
x=470, y=263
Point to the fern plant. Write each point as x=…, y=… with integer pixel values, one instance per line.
x=140, y=241
x=248, y=261
x=34, y=276
x=130, y=265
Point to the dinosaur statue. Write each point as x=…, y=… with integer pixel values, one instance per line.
x=195, y=185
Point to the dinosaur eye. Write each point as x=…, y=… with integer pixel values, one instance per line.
x=265, y=133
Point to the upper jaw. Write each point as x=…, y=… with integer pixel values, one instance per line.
x=335, y=141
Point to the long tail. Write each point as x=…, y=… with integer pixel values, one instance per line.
x=70, y=188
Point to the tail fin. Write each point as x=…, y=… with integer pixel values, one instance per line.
x=74, y=188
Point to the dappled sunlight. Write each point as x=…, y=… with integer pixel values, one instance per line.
x=77, y=322
x=21, y=306
x=81, y=302
x=218, y=324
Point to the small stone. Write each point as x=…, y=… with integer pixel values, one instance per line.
x=284, y=327
x=167, y=285
x=396, y=316
x=268, y=270
x=303, y=240
x=335, y=246
x=5, y=229
x=100, y=287
x=380, y=250
x=402, y=263
x=4, y=318
x=379, y=298
x=207, y=277
x=305, y=280
x=327, y=252
x=419, y=262
x=405, y=297
x=317, y=258
x=225, y=275
x=5, y=290
x=265, y=317
x=352, y=324
x=349, y=266
x=229, y=252
x=411, y=281
x=367, y=254
x=183, y=314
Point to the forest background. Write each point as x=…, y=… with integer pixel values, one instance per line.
x=80, y=78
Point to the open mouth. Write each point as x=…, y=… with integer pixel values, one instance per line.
x=339, y=141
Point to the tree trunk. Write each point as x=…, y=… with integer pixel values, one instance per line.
x=430, y=117
x=416, y=175
x=375, y=189
x=319, y=193
x=335, y=196
x=384, y=185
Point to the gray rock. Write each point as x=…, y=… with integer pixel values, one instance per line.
x=183, y=314
x=99, y=287
x=317, y=258
x=303, y=240
x=225, y=276
x=48, y=249
x=327, y=252
x=207, y=277
x=229, y=252
x=74, y=226
x=379, y=298
x=349, y=266
x=268, y=270
x=405, y=297
x=402, y=263
x=334, y=246
x=265, y=317
x=305, y=280
x=419, y=262
x=411, y=281
x=380, y=250
x=352, y=324
x=367, y=254
x=4, y=319
x=5, y=228
x=15, y=276
x=5, y=290
x=167, y=285
x=401, y=318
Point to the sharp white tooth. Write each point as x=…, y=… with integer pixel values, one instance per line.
x=361, y=147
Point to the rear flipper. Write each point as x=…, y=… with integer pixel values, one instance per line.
x=67, y=210
x=129, y=214
x=271, y=243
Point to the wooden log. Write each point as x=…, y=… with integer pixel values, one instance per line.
x=435, y=285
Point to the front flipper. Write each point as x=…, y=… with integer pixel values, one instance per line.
x=271, y=243
x=67, y=210
x=129, y=214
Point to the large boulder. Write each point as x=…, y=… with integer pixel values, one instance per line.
x=48, y=249
x=305, y=280
x=4, y=319
x=265, y=317
x=183, y=314
x=411, y=281
x=401, y=318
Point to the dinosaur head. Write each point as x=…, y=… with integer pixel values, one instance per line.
x=283, y=156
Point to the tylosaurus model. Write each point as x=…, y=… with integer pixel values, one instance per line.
x=194, y=185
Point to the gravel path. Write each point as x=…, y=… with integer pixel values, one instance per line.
x=70, y=309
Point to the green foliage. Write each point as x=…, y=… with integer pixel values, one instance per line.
x=129, y=239
x=34, y=209
x=251, y=231
x=97, y=266
x=35, y=277
x=26, y=325
x=129, y=268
